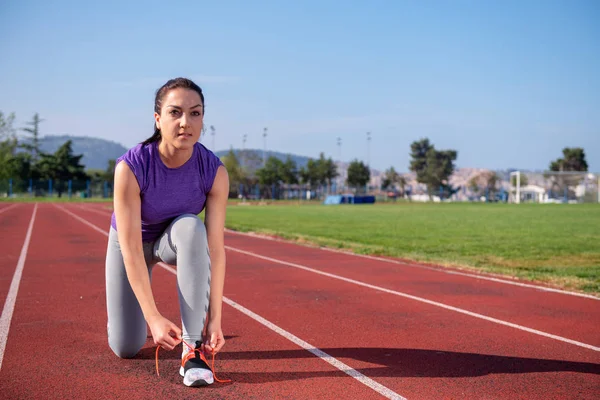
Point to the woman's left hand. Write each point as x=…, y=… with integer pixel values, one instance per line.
x=214, y=339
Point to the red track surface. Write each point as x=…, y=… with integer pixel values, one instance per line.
x=57, y=346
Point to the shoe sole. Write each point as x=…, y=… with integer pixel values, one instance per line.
x=197, y=383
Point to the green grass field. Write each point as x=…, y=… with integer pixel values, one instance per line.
x=554, y=244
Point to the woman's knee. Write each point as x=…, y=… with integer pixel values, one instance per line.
x=188, y=229
x=125, y=349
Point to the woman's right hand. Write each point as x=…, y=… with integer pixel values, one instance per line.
x=165, y=333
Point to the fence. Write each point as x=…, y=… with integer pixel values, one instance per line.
x=514, y=187
x=283, y=192
x=56, y=188
x=511, y=187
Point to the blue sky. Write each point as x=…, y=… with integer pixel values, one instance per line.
x=507, y=84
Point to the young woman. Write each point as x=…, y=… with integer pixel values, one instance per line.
x=161, y=186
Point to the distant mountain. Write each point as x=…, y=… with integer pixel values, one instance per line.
x=252, y=159
x=96, y=152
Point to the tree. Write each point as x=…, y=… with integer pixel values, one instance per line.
x=6, y=126
x=326, y=170
x=433, y=167
x=319, y=172
x=7, y=155
x=8, y=144
x=401, y=184
x=271, y=173
x=310, y=173
x=358, y=175
x=236, y=174
x=573, y=160
x=61, y=167
x=289, y=171
x=109, y=173
x=485, y=183
x=393, y=180
x=418, y=164
x=33, y=142
x=13, y=165
x=390, y=178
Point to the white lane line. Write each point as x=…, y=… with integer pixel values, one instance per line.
x=105, y=213
x=379, y=388
x=11, y=298
x=102, y=231
x=408, y=296
x=8, y=208
x=417, y=265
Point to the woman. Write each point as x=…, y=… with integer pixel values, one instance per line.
x=161, y=186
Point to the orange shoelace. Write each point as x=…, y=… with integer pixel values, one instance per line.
x=192, y=354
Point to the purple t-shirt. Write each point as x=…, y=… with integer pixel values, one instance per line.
x=167, y=193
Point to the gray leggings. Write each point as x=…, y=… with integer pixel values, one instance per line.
x=183, y=243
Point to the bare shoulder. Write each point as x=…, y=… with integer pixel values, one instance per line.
x=125, y=178
x=122, y=170
x=221, y=180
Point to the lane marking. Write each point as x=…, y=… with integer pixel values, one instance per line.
x=417, y=265
x=423, y=300
x=9, y=207
x=94, y=210
x=102, y=231
x=11, y=298
x=379, y=388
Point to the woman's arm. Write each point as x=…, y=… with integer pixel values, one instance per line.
x=127, y=205
x=216, y=205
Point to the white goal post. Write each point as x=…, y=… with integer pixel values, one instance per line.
x=554, y=187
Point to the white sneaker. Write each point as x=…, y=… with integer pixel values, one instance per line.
x=194, y=368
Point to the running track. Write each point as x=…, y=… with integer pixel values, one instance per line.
x=300, y=323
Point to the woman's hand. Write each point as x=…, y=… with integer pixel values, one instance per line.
x=165, y=333
x=214, y=339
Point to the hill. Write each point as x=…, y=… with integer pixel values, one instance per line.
x=96, y=152
x=252, y=158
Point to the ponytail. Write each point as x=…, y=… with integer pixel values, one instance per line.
x=153, y=138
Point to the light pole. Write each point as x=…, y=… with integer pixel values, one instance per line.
x=368, y=149
x=244, y=149
x=339, y=144
x=212, y=132
x=265, y=147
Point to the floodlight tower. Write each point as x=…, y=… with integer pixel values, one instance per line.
x=339, y=144
x=368, y=149
x=212, y=133
x=244, y=149
x=265, y=147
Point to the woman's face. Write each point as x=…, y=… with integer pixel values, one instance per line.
x=181, y=118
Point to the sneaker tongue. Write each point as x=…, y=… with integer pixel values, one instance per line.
x=198, y=347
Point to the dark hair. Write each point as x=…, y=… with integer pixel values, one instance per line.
x=160, y=94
